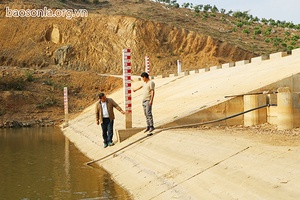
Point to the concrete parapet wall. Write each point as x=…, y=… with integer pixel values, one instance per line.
x=258, y=59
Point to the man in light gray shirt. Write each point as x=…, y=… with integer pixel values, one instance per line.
x=149, y=91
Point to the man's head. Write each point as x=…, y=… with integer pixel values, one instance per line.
x=102, y=97
x=145, y=76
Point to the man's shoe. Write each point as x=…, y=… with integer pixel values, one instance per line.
x=151, y=129
x=105, y=145
x=149, y=134
x=147, y=129
x=111, y=144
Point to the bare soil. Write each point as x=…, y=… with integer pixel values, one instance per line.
x=264, y=133
x=35, y=97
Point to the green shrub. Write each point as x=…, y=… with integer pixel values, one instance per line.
x=29, y=76
x=257, y=31
x=295, y=38
x=284, y=44
x=240, y=24
x=267, y=40
x=246, y=31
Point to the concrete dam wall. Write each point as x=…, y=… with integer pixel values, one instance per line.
x=199, y=163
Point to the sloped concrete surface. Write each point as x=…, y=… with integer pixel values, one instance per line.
x=194, y=163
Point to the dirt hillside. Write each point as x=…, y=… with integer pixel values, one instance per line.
x=95, y=43
x=30, y=97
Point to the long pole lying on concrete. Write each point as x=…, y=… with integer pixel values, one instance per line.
x=93, y=161
x=255, y=93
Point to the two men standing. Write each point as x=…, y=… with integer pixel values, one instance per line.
x=105, y=114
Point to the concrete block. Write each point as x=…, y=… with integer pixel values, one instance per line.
x=173, y=75
x=194, y=71
x=296, y=51
x=242, y=62
x=251, y=118
x=202, y=70
x=135, y=79
x=185, y=73
x=227, y=65
x=284, y=109
x=207, y=69
x=259, y=59
x=215, y=68
x=160, y=76
x=278, y=55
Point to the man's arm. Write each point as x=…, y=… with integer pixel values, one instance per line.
x=134, y=90
x=97, y=114
x=117, y=107
x=152, y=97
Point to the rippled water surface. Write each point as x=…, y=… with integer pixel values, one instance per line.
x=40, y=163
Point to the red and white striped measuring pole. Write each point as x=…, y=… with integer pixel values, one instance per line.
x=147, y=64
x=127, y=87
x=66, y=106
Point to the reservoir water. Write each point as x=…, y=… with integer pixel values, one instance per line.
x=40, y=163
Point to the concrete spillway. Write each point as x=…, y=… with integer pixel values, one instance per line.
x=199, y=164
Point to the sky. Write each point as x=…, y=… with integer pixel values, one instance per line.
x=283, y=10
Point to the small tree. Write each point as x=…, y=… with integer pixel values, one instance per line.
x=246, y=31
x=257, y=31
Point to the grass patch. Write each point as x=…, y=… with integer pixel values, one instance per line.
x=9, y=83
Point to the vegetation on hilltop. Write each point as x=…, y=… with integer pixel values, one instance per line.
x=250, y=25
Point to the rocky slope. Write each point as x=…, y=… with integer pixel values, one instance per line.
x=95, y=43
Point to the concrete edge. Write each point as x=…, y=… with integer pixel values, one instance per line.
x=123, y=134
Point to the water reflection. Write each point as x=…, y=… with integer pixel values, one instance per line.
x=40, y=163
